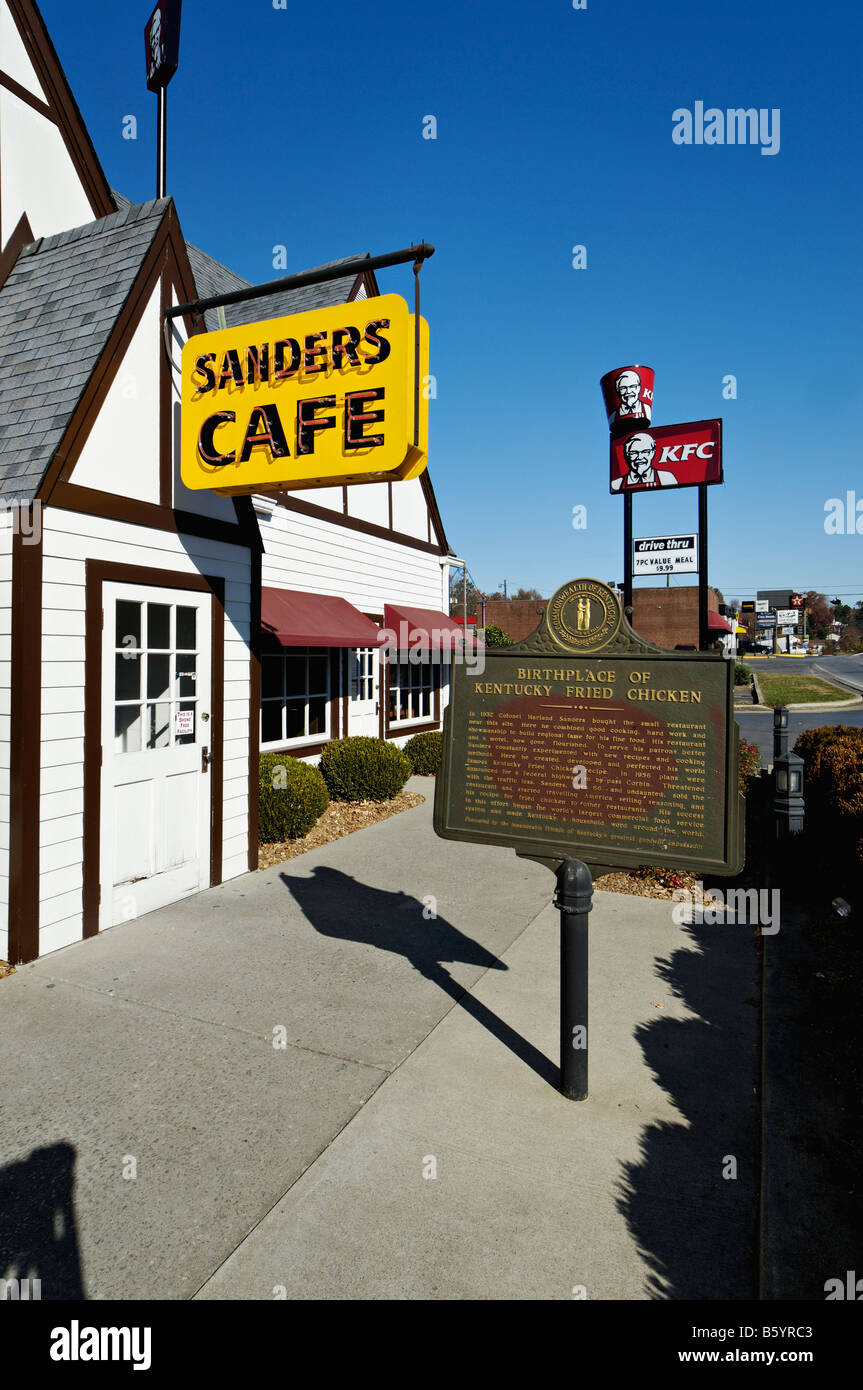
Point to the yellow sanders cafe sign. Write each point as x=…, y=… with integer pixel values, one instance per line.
x=318, y=398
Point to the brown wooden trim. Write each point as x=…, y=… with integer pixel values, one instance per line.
x=20, y=237
x=166, y=452
x=367, y=278
x=390, y=510
x=354, y=523
x=344, y=499
x=437, y=523
x=25, y=749
x=254, y=708
x=217, y=724
x=105, y=370
x=408, y=730
x=29, y=97
x=71, y=497
x=98, y=572
x=335, y=691
x=53, y=81
x=299, y=750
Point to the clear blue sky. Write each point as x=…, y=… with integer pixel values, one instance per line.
x=304, y=127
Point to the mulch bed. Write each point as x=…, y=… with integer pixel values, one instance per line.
x=620, y=881
x=340, y=818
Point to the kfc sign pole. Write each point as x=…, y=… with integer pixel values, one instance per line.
x=162, y=47
x=647, y=458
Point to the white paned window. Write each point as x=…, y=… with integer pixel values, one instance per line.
x=155, y=676
x=295, y=696
x=411, y=691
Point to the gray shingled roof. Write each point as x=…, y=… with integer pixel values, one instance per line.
x=57, y=310
x=212, y=278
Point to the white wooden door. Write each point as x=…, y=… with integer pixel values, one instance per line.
x=156, y=724
x=363, y=683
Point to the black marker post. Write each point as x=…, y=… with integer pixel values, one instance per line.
x=574, y=900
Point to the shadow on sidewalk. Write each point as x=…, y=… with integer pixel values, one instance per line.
x=696, y=1229
x=338, y=906
x=38, y=1235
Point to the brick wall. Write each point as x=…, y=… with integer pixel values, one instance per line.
x=663, y=616
x=517, y=616
x=668, y=616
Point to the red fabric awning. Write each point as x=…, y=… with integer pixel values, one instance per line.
x=717, y=623
x=297, y=619
x=424, y=629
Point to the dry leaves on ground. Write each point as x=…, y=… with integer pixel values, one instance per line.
x=6, y=969
x=340, y=818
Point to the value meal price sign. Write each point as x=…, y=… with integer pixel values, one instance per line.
x=585, y=742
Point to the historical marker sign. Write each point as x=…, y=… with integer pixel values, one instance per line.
x=585, y=742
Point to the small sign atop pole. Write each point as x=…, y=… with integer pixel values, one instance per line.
x=162, y=41
x=162, y=47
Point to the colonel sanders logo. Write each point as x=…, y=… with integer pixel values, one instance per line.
x=631, y=406
x=639, y=451
x=157, y=49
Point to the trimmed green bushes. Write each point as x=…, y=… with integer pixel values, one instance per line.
x=364, y=769
x=292, y=797
x=833, y=787
x=424, y=752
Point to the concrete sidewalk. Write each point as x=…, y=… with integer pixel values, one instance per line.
x=261, y=1167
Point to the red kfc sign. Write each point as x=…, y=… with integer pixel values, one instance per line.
x=667, y=456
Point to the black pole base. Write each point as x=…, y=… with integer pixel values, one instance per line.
x=574, y=900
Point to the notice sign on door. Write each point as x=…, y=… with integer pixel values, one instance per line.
x=326, y=397
x=665, y=554
x=184, y=722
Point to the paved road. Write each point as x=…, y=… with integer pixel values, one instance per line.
x=756, y=725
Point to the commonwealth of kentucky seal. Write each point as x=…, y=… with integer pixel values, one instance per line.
x=583, y=616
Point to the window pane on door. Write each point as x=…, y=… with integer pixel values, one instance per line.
x=158, y=726
x=187, y=676
x=186, y=629
x=158, y=625
x=127, y=729
x=127, y=624
x=127, y=677
x=158, y=677
x=184, y=718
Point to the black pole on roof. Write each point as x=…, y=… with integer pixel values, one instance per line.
x=417, y=254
